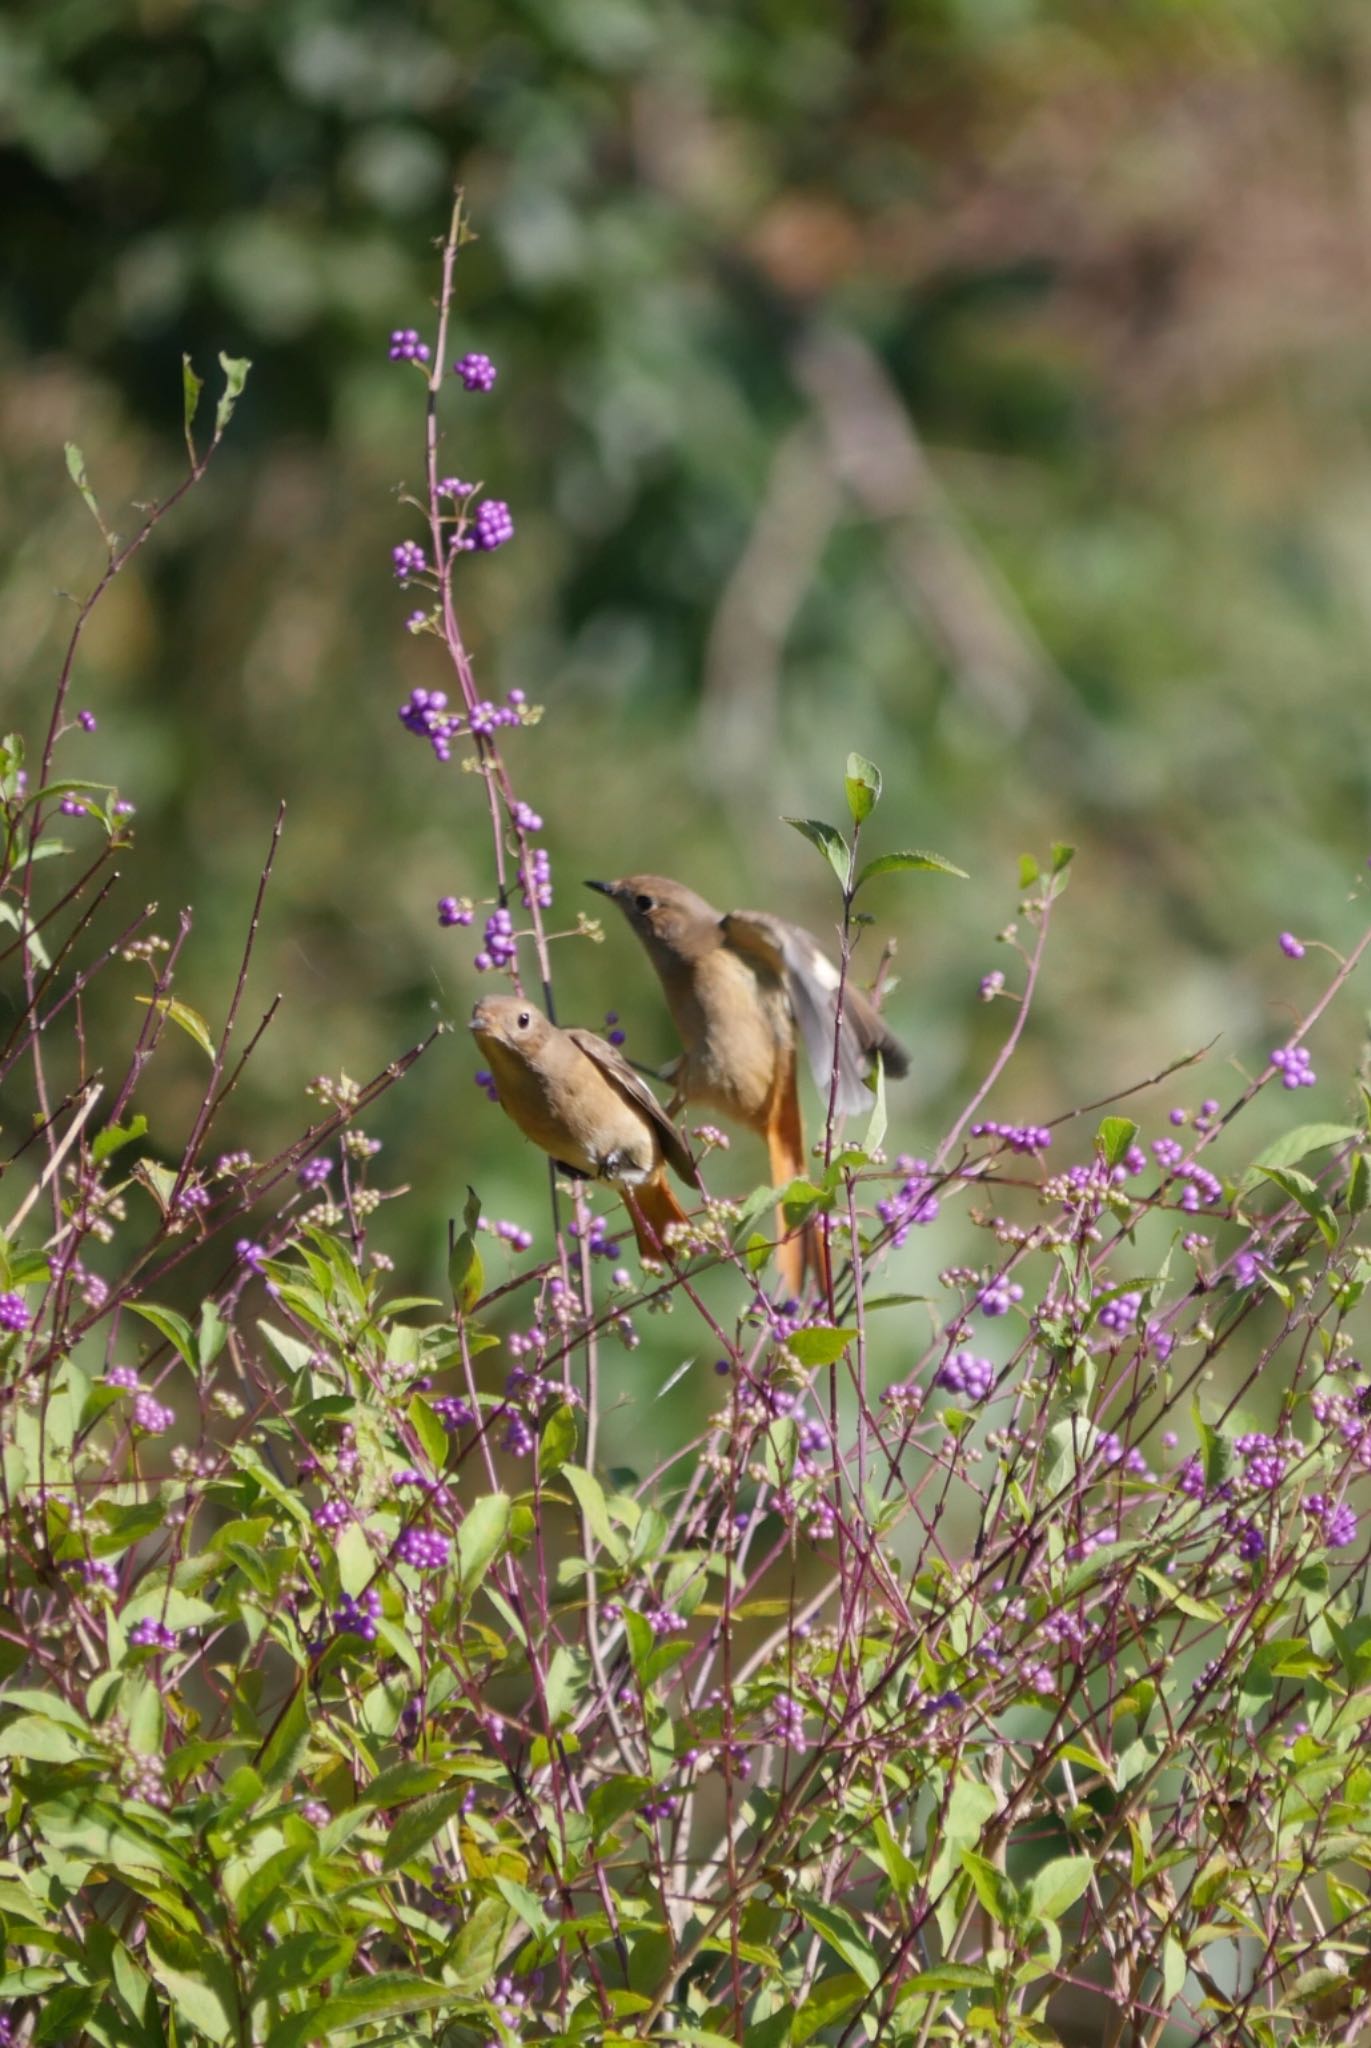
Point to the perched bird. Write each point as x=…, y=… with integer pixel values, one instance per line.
x=581, y=1101
x=744, y=989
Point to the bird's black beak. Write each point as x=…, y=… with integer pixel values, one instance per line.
x=605, y=888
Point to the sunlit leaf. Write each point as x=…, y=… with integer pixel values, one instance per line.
x=830, y=843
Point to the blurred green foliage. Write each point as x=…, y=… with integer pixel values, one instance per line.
x=982, y=384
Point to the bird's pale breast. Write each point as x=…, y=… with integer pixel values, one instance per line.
x=742, y=1032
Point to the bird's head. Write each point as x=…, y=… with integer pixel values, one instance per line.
x=511, y=1024
x=666, y=915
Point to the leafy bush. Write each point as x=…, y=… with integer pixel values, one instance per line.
x=348, y=1695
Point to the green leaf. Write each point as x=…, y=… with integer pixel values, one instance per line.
x=285, y=1747
x=299, y=1961
x=831, y=2000
x=402, y=1782
x=863, y=783
x=1295, y=1145
x=564, y=1685
x=590, y=1495
x=167, y=1603
x=213, y=1331
x=1114, y=1137
x=526, y=1904
x=819, y=1347
x=39, y=1739
x=417, y=1826
x=874, y=1136
x=191, y=387
x=1305, y=1192
x=1216, y=1450
x=558, y=1440
x=125, y=1524
x=946, y=1977
x=842, y=1933
x=1184, y=1603
x=235, y=369
x=1058, y=1885
x=387, y=1995
x=830, y=843
x=190, y=1021
x=76, y=470
x=198, y=1982
x=894, y=863
x=430, y=1432
x=479, y=1539
x=479, y=1945
x=293, y=1354
x=465, y=1272
x=1174, y=1970
x=1062, y=856
x=114, y=1136
x=903, y=1874
x=173, y=1327
x=1028, y=871
x=1359, y=1185
x=993, y=1888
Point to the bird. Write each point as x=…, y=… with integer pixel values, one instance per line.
x=578, y=1099
x=745, y=989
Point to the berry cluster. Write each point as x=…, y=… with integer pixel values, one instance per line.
x=477, y=372
x=965, y=1374
x=500, y=948
x=406, y=347
x=1296, y=1066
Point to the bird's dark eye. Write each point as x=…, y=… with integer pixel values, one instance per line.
x=645, y=903
x=523, y=1020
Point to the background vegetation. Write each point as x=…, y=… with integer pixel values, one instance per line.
x=983, y=383
x=979, y=385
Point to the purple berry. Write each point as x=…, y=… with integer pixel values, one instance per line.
x=408, y=559
x=13, y=1314
x=493, y=525
x=477, y=372
x=406, y=347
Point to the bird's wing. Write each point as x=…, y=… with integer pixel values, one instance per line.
x=634, y=1088
x=812, y=980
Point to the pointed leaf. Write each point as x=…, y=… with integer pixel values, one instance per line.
x=1301, y=1189
x=235, y=369
x=190, y=1021
x=590, y=1494
x=994, y=1890
x=874, y=1136
x=417, y=1826
x=819, y=1346
x=1058, y=1885
x=558, y=1440
x=480, y=1537
x=465, y=1272
x=842, y=1933
x=191, y=387
x=863, y=787
x=430, y=1432
x=114, y=1136
x=300, y=1960
x=830, y=843
x=287, y=1743
x=1293, y=1146
x=173, y=1327
x=893, y=863
x=76, y=470
x=1114, y=1137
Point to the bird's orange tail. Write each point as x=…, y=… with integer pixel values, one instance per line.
x=803, y=1256
x=652, y=1207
